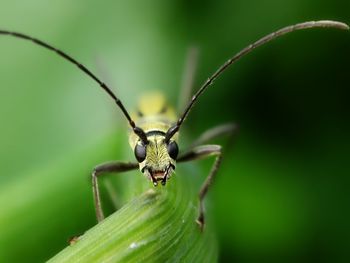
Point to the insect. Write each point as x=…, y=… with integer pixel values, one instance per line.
x=154, y=131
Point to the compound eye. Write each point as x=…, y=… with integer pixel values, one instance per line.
x=173, y=150
x=140, y=152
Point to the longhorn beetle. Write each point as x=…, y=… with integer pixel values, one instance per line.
x=154, y=133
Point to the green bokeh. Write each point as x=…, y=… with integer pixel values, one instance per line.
x=282, y=193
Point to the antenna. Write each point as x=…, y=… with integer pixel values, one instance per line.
x=138, y=131
x=245, y=51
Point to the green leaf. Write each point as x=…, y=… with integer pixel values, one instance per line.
x=157, y=226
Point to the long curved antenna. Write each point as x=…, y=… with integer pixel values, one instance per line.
x=138, y=131
x=245, y=51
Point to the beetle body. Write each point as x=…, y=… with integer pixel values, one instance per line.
x=157, y=158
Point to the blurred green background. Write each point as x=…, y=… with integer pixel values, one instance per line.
x=282, y=193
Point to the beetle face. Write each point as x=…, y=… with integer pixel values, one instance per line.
x=157, y=159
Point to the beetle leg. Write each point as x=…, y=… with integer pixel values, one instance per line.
x=197, y=153
x=229, y=129
x=188, y=77
x=103, y=169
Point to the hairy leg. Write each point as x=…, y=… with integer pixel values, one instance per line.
x=102, y=170
x=197, y=153
x=188, y=78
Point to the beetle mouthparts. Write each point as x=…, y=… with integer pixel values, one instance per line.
x=157, y=176
x=160, y=175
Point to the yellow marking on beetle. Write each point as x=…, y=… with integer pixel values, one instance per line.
x=155, y=104
x=156, y=115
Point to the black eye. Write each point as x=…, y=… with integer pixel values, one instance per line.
x=140, y=152
x=173, y=150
